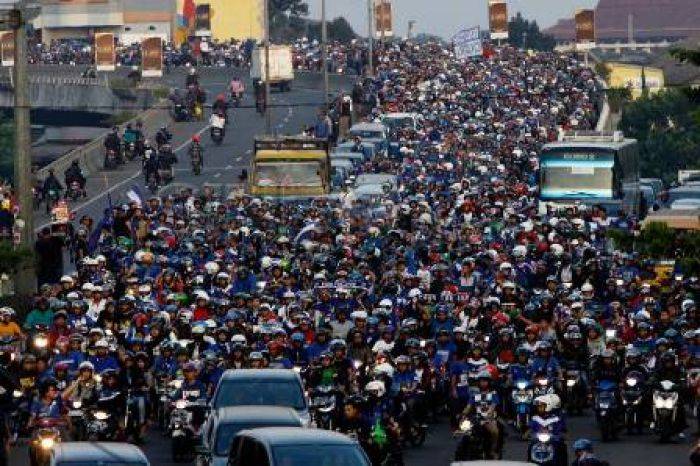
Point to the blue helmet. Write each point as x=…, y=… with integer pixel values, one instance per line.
x=583, y=444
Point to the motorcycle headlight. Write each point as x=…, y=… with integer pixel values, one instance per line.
x=16, y=394
x=180, y=404
x=544, y=437
x=570, y=382
x=176, y=384
x=77, y=404
x=522, y=385
x=631, y=382
x=41, y=342
x=101, y=415
x=357, y=364
x=47, y=443
x=297, y=369
x=465, y=425
x=543, y=382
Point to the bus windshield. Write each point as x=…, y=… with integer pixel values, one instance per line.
x=569, y=177
x=288, y=174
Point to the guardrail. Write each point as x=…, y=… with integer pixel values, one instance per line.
x=8, y=80
x=91, y=155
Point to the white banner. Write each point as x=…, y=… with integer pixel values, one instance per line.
x=467, y=43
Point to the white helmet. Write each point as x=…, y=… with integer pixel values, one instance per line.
x=376, y=386
x=384, y=369
x=211, y=267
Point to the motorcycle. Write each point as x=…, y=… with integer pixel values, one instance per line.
x=217, y=135
x=665, y=409
x=542, y=386
x=130, y=151
x=545, y=449
x=606, y=409
x=100, y=424
x=52, y=197
x=40, y=340
x=475, y=440
x=632, y=399
x=74, y=191
x=411, y=429
x=152, y=183
x=76, y=414
x=196, y=163
x=574, y=393
x=181, y=113
x=183, y=432
x=46, y=435
x=132, y=420
x=110, y=159
x=322, y=404
x=522, y=405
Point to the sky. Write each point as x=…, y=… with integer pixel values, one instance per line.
x=445, y=17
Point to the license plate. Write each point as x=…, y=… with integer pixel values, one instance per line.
x=75, y=413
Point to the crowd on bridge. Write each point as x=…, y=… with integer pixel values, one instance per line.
x=446, y=297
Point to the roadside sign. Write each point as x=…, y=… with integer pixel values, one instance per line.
x=467, y=43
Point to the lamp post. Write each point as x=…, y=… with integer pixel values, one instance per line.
x=266, y=24
x=324, y=52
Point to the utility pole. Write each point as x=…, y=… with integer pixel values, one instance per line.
x=370, y=35
x=25, y=282
x=268, y=116
x=324, y=52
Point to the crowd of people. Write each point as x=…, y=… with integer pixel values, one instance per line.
x=342, y=57
x=437, y=300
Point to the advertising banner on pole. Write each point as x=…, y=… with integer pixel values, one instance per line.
x=7, y=48
x=152, y=57
x=382, y=19
x=498, y=19
x=585, y=29
x=467, y=43
x=202, y=20
x=104, y=51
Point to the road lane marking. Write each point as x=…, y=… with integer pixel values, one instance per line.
x=228, y=167
x=217, y=175
x=238, y=159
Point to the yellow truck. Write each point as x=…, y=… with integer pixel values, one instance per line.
x=289, y=167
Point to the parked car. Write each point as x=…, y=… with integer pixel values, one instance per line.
x=294, y=446
x=223, y=425
x=262, y=387
x=97, y=453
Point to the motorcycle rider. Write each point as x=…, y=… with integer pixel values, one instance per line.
x=546, y=419
x=193, y=390
x=47, y=405
x=237, y=88
x=113, y=143
x=220, y=107
x=668, y=369
x=51, y=183
x=384, y=431
x=163, y=137
x=130, y=136
x=74, y=173
x=491, y=424
x=150, y=166
x=196, y=152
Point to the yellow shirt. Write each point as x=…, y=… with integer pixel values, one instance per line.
x=9, y=329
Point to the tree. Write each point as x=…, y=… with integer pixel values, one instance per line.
x=527, y=35
x=6, y=150
x=618, y=97
x=283, y=13
x=338, y=30
x=684, y=55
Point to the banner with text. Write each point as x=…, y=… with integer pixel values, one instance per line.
x=382, y=19
x=152, y=57
x=202, y=20
x=585, y=29
x=104, y=51
x=498, y=19
x=7, y=48
x=467, y=43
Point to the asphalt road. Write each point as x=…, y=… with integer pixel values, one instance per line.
x=439, y=448
x=222, y=164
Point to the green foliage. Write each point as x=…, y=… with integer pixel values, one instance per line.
x=618, y=97
x=659, y=242
x=120, y=118
x=527, y=35
x=161, y=92
x=667, y=126
x=602, y=70
x=7, y=144
x=11, y=257
x=686, y=55
x=338, y=30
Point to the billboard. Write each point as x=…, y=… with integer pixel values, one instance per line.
x=382, y=18
x=467, y=43
x=498, y=19
x=585, y=29
x=104, y=51
x=152, y=57
x=636, y=78
x=202, y=20
x=7, y=48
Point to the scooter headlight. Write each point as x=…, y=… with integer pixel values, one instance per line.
x=543, y=382
x=77, y=404
x=544, y=437
x=101, y=415
x=631, y=382
x=16, y=394
x=570, y=382
x=522, y=385
x=41, y=342
x=465, y=425
x=180, y=404
x=47, y=443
